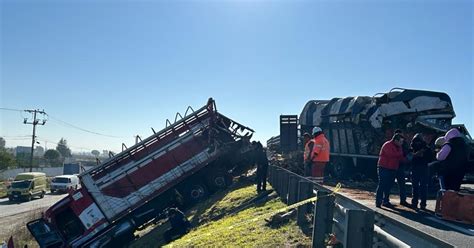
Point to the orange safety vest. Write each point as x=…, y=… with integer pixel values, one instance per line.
x=321, y=148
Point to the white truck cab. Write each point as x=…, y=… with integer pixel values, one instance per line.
x=64, y=182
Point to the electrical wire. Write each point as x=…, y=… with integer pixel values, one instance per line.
x=15, y=136
x=55, y=143
x=19, y=138
x=82, y=129
x=10, y=109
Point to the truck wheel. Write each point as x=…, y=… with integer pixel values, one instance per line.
x=42, y=194
x=341, y=167
x=219, y=181
x=195, y=192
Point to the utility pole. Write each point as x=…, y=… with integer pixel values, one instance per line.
x=34, y=123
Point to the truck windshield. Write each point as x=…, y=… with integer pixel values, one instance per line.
x=21, y=184
x=44, y=235
x=61, y=180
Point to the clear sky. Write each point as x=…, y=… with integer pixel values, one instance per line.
x=121, y=67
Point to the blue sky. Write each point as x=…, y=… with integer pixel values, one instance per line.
x=121, y=67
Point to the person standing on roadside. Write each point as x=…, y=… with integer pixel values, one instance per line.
x=308, y=146
x=391, y=154
x=402, y=168
x=454, y=156
x=318, y=154
x=262, y=167
x=437, y=165
x=422, y=155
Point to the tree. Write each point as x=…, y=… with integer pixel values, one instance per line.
x=52, y=156
x=95, y=153
x=63, y=149
x=2, y=143
x=6, y=160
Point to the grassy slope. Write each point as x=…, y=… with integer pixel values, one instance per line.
x=221, y=222
x=19, y=232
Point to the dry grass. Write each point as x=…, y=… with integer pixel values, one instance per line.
x=3, y=190
x=19, y=232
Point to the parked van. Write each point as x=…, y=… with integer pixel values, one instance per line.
x=27, y=185
x=64, y=183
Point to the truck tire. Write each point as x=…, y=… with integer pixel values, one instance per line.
x=218, y=181
x=340, y=167
x=195, y=192
x=42, y=194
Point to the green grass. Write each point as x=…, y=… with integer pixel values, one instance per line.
x=223, y=222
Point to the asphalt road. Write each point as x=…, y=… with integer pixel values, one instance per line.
x=424, y=221
x=13, y=214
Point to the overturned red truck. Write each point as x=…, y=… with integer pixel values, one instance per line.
x=190, y=157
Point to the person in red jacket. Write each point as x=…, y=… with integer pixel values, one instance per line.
x=391, y=154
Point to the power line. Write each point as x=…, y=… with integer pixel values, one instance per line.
x=14, y=136
x=18, y=138
x=65, y=123
x=77, y=147
x=10, y=109
x=83, y=129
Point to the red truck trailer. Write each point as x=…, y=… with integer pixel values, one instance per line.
x=194, y=155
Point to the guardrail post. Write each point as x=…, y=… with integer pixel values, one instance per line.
x=284, y=183
x=275, y=174
x=304, y=192
x=271, y=177
x=278, y=181
x=292, y=189
x=323, y=218
x=359, y=228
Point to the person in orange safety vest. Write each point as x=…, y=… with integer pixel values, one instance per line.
x=317, y=153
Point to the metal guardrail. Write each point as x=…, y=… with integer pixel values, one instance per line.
x=354, y=224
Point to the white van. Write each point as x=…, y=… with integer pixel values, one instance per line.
x=64, y=183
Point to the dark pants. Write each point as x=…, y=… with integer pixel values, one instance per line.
x=308, y=169
x=262, y=178
x=401, y=182
x=386, y=178
x=420, y=179
x=453, y=181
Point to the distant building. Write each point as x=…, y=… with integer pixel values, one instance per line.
x=22, y=150
x=39, y=151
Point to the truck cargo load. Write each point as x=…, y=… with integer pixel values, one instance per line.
x=356, y=127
